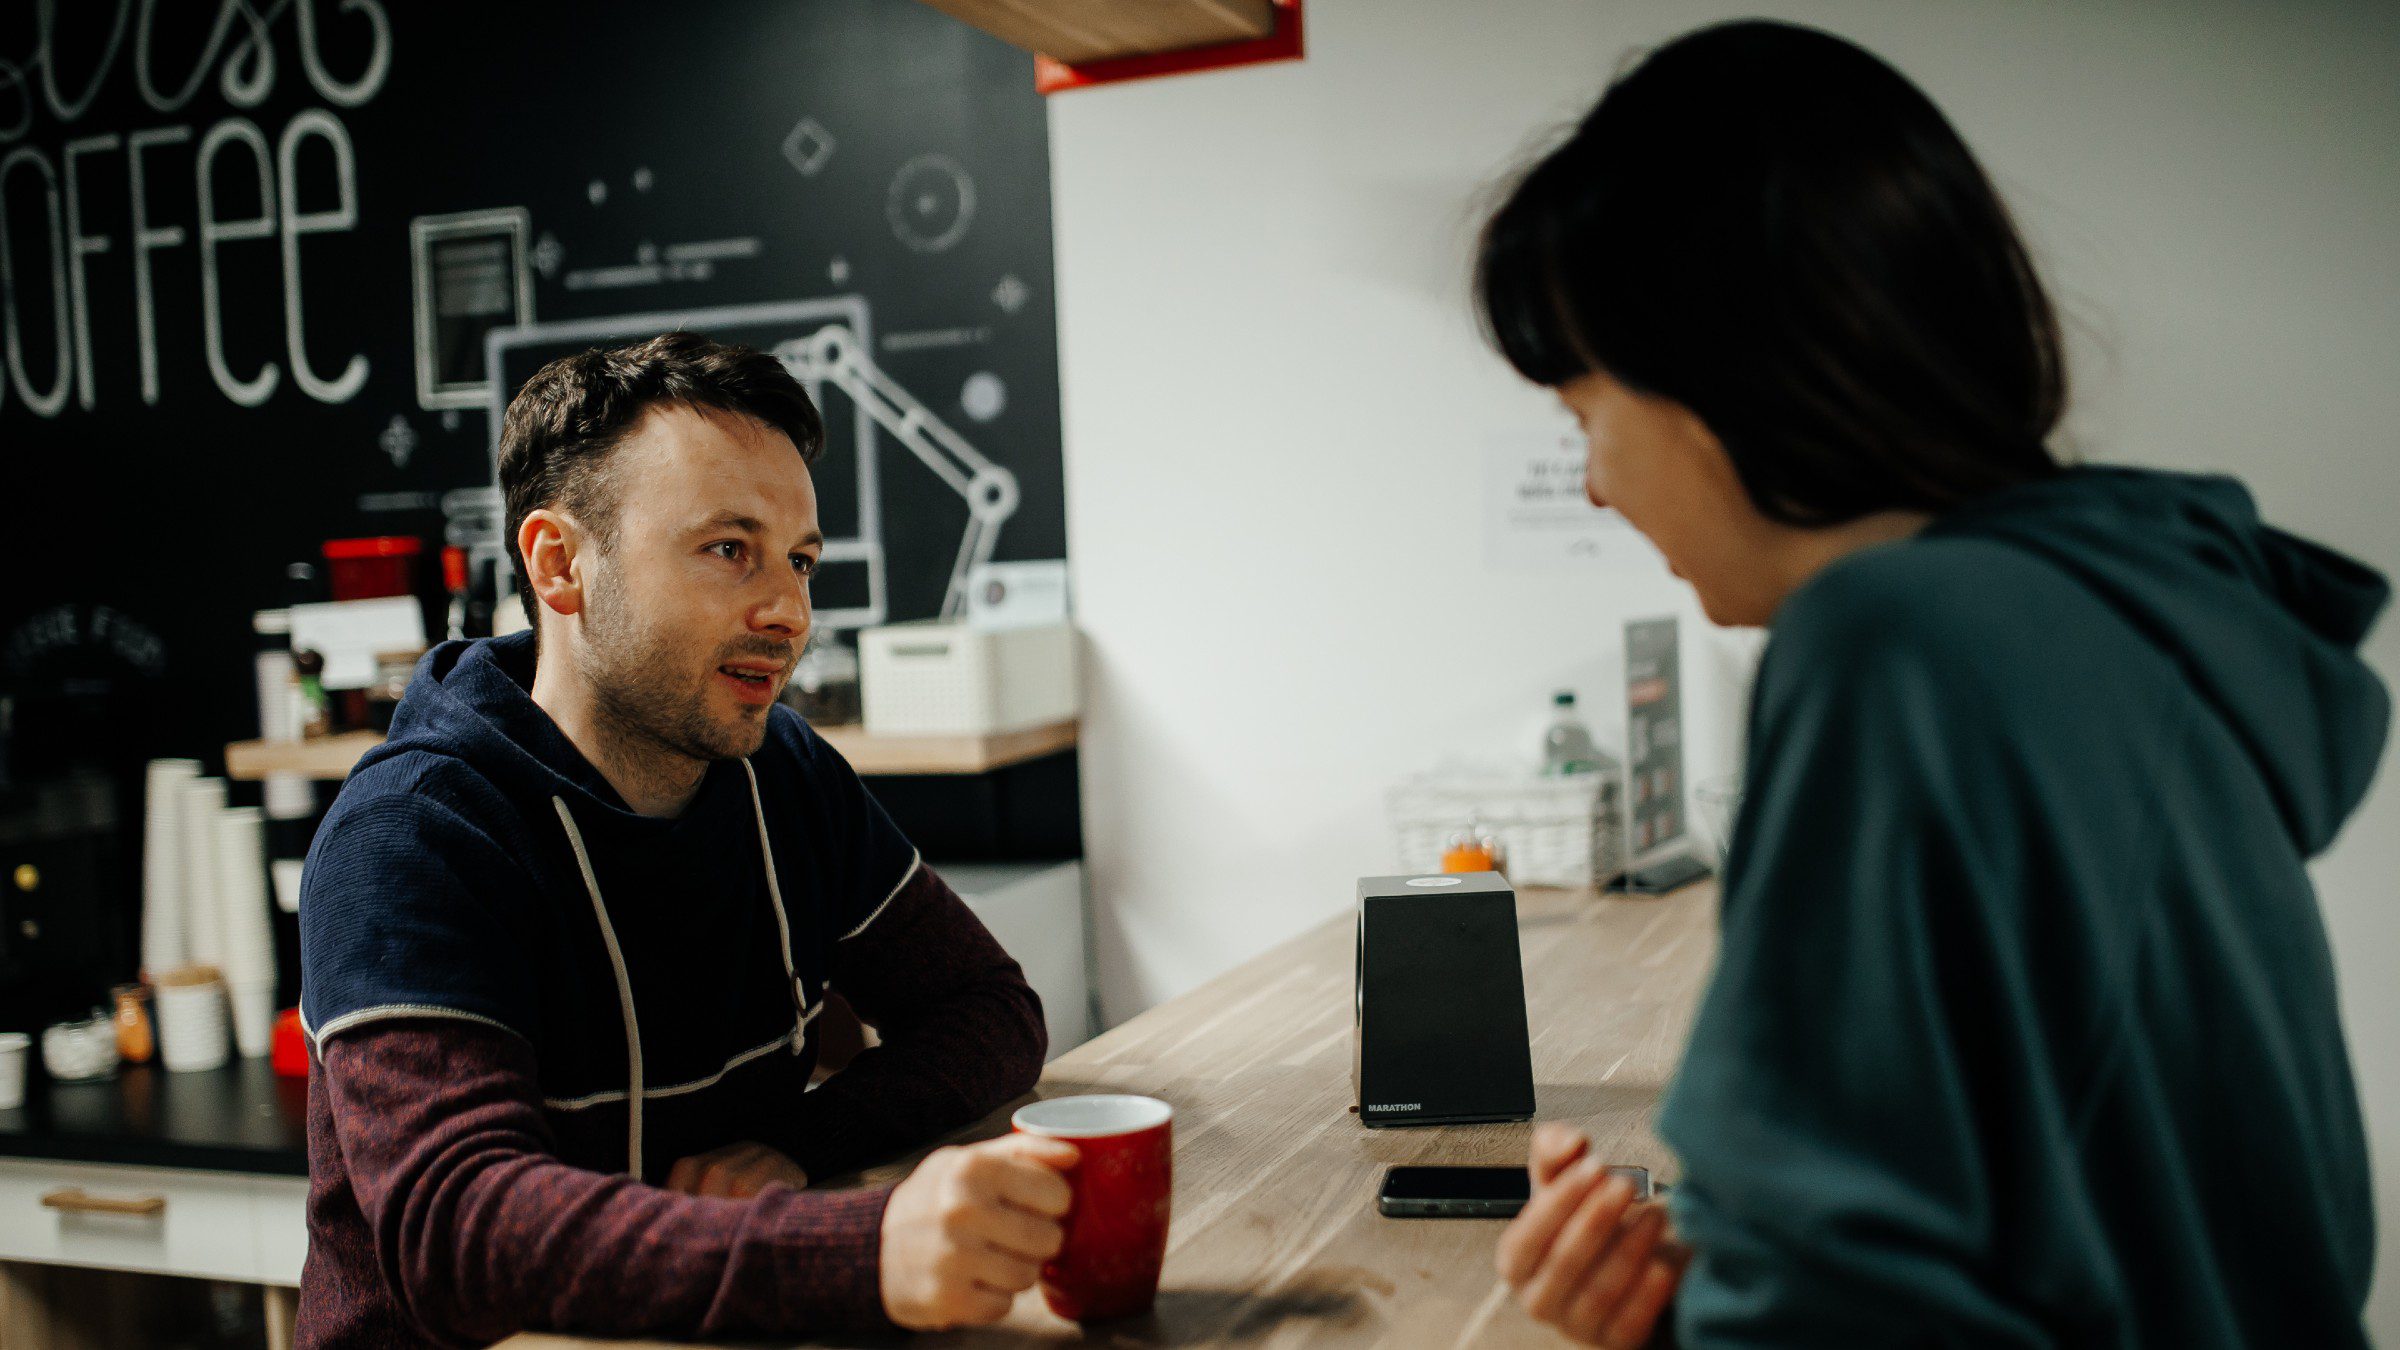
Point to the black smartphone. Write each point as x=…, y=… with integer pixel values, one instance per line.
x=1470, y=1192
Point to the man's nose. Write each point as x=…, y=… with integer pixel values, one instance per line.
x=786, y=611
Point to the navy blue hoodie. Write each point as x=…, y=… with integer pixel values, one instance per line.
x=476, y=866
x=2024, y=1030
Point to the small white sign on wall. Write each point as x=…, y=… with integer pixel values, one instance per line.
x=1536, y=516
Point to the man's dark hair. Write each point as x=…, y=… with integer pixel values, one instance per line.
x=562, y=429
x=1770, y=226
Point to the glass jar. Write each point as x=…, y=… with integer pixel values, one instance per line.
x=136, y=1042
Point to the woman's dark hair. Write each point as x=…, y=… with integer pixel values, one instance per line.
x=560, y=433
x=1770, y=226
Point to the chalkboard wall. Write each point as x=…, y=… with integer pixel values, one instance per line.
x=255, y=255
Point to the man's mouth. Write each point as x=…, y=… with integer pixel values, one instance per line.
x=761, y=676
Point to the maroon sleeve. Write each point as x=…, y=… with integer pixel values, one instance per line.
x=480, y=1231
x=961, y=1032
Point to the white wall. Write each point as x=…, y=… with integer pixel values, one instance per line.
x=1275, y=403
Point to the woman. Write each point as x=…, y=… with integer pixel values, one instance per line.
x=2023, y=1032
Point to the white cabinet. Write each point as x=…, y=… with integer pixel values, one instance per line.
x=212, y=1225
x=282, y=1208
x=1036, y=910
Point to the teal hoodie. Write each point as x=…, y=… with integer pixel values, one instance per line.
x=2024, y=1030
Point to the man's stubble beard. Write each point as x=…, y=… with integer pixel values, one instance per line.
x=638, y=687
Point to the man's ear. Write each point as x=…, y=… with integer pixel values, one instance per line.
x=551, y=542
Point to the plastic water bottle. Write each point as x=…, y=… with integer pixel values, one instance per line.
x=1567, y=746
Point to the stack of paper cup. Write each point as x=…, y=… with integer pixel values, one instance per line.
x=203, y=920
x=249, y=942
x=191, y=1019
x=15, y=1048
x=289, y=796
x=163, y=941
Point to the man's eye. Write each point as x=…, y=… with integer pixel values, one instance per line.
x=804, y=564
x=728, y=549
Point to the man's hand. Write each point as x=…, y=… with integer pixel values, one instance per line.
x=1585, y=1256
x=735, y=1172
x=971, y=1227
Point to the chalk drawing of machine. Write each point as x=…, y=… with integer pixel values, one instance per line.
x=826, y=344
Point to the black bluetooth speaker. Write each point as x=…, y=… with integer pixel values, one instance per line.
x=1440, y=1036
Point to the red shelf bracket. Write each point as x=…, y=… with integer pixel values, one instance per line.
x=1284, y=44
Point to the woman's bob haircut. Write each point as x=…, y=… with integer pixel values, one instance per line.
x=1773, y=228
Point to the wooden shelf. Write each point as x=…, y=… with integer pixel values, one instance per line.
x=330, y=757
x=1080, y=31
x=886, y=756
x=333, y=757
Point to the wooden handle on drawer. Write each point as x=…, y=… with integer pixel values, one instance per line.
x=73, y=1201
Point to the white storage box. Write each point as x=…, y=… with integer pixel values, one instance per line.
x=1556, y=831
x=946, y=679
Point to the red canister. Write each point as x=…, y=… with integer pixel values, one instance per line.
x=369, y=569
x=287, y=1050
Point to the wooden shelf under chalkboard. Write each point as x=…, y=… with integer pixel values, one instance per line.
x=326, y=757
x=886, y=756
x=1078, y=31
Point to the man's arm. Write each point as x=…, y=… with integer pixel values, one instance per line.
x=481, y=1231
x=962, y=1032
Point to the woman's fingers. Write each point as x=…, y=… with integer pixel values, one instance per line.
x=1600, y=1290
x=1583, y=1242
x=1639, y=1315
x=1530, y=1234
x=1554, y=1146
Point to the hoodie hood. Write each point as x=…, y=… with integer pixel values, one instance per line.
x=2264, y=625
x=473, y=701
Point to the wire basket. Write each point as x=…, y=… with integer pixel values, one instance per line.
x=1555, y=831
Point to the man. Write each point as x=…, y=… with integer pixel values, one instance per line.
x=566, y=934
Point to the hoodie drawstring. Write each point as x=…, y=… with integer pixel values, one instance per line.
x=783, y=927
x=616, y=960
x=633, y=1026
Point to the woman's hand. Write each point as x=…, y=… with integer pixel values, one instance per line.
x=1585, y=1256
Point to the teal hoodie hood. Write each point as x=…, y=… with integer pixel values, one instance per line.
x=2264, y=625
x=2024, y=1028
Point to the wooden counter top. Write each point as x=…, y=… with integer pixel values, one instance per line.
x=1275, y=1233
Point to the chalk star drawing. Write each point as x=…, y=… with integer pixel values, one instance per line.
x=449, y=419
x=838, y=271
x=1011, y=294
x=931, y=203
x=597, y=191
x=808, y=146
x=548, y=255
x=399, y=440
x=642, y=179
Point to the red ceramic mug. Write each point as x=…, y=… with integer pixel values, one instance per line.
x=1123, y=1189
